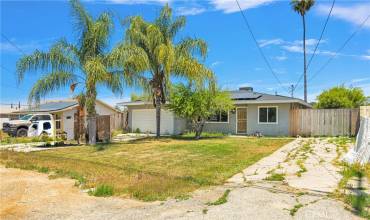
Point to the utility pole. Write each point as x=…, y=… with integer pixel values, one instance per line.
x=291, y=90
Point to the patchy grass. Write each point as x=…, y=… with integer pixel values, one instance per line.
x=276, y=177
x=149, y=169
x=222, y=199
x=302, y=167
x=102, y=191
x=295, y=209
x=5, y=139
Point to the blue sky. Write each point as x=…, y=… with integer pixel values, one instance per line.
x=233, y=54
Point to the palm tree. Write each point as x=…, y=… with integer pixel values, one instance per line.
x=84, y=64
x=302, y=7
x=150, y=55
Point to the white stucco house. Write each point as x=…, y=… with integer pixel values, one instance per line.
x=70, y=118
x=254, y=113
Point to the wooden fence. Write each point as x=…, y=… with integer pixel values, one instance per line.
x=324, y=122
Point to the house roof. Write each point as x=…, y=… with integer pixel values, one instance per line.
x=53, y=106
x=60, y=105
x=242, y=96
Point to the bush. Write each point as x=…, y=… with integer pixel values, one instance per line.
x=137, y=130
x=102, y=191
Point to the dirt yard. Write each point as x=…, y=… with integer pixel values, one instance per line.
x=302, y=194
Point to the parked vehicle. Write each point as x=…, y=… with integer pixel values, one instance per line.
x=19, y=128
x=42, y=127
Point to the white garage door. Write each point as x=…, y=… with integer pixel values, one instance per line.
x=144, y=119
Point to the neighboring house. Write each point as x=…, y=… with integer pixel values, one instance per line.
x=254, y=112
x=9, y=112
x=70, y=118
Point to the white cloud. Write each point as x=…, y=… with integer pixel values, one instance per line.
x=366, y=57
x=189, y=11
x=355, y=14
x=360, y=80
x=264, y=43
x=281, y=58
x=216, y=63
x=230, y=6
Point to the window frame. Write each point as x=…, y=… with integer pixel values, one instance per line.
x=218, y=122
x=277, y=115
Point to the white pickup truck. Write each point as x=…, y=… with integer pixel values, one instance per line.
x=30, y=125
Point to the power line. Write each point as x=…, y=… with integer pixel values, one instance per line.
x=258, y=46
x=13, y=44
x=317, y=45
x=340, y=48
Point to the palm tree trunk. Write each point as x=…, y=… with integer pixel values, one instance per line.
x=158, y=115
x=91, y=115
x=304, y=59
x=91, y=124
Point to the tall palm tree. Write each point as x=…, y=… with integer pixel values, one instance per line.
x=302, y=7
x=84, y=64
x=150, y=55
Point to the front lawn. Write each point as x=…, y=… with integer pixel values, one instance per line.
x=149, y=169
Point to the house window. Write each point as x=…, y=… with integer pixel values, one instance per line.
x=267, y=115
x=222, y=116
x=58, y=121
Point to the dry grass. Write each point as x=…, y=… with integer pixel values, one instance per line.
x=150, y=169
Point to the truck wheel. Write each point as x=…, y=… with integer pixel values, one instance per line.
x=22, y=132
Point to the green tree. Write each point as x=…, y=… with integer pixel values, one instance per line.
x=341, y=97
x=198, y=104
x=149, y=52
x=84, y=64
x=302, y=7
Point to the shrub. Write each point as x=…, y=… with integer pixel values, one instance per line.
x=102, y=191
x=137, y=130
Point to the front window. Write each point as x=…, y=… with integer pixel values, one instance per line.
x=25, y=117
x=267, y=115
x=221, y=116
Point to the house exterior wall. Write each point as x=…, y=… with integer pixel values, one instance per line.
x=281, y=128
x=68, y=122
x=222, y=127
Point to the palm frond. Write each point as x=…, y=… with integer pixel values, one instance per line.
x=192, y=46
x=50, y=83
x=54, y=60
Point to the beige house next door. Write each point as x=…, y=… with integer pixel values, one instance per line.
x=241, y=120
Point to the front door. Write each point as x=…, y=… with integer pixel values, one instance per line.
x=241, y=120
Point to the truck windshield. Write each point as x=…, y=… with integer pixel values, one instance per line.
x=25, y=117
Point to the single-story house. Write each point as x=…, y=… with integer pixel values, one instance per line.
x=10, y=112
x=254, y=112
x=70, y=118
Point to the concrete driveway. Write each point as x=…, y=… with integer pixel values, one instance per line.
x=31, y=195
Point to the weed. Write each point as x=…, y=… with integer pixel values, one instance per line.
x=359, y=203
x=302, y=168
x=222, y=199
x=295, y=209
x=276, y=177
x=182, y=197
x=43, y=170
x=102, y=191
x=204, y=211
